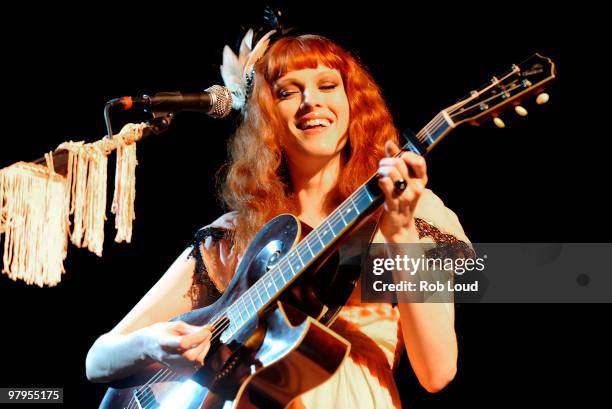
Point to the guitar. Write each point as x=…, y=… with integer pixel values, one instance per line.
x=271, y=340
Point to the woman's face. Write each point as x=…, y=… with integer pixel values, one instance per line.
x=313, y=105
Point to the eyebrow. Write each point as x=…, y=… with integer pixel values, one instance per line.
x=293, y=80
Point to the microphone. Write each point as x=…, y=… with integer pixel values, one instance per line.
x=215, y=101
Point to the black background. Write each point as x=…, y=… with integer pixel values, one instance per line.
x=542, y=179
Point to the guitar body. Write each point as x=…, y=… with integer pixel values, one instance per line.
x=283, y=352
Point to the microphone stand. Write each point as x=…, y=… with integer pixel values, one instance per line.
x=155, y=126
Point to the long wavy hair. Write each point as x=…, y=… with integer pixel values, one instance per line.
x=256, y=182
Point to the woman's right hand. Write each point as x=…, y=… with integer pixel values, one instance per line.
x=177, y=345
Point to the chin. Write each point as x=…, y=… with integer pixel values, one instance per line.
x=321, y=145
x=321, y=148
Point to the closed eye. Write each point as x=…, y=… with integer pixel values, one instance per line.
x=282, y=94
x=328, y=87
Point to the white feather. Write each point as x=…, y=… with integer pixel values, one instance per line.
x=258, y=51
x=245, y=47
x=235, y=68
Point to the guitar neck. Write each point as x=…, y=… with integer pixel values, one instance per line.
x=359, y=205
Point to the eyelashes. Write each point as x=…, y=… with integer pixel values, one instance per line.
x=286, y=93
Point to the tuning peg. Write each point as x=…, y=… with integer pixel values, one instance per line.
x=498, y=122
x=520, y=110
x=542, y=98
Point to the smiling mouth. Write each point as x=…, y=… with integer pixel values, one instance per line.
x=314, y=124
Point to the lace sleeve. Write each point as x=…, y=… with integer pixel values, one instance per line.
x=449, y=246
x=203, y=290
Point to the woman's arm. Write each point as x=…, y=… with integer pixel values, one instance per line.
x=428, y=331
x=429, y=335
x=144, y=336
x=427, y=328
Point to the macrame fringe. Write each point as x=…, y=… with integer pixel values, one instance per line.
x=36, y=204
x=34, y=220
x=86, y=177
x=125, y=183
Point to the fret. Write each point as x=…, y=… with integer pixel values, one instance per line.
x=297, y=252
x=319, y=237
x=232, y=316
x=271, y=282
x=341, y=211
x=232, y=320
x=309, y=248
x=434, y=132
x=368, y=193
x=290, y=267
x=361, y=201
x=412, y=147
x=278, y=278
x=429, y=138
x=331, y=228
x=283, y=272
x=232, y=323
x=246, y=309
x=325, y=235
x=252, y=302
x=352, y=200
x=230, y=330
x=265, y=287
x=256, y=286
x=295, y=260
x=241, y=317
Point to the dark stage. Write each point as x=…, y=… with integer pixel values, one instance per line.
x=541, y=179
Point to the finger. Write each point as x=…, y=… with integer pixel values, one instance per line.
x=391, y=149
x=416, y=163
x=397, y=163
x=388, y=188
x=202, y=356
x=192, y=354
x=391, y=172
x=196, y=338
x=183, y=328
x=170, y=343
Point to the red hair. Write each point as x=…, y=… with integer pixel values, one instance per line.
x=257, y=184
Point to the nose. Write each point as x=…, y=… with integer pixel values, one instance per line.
x=311, y=97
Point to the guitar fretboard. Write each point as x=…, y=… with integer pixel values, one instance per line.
x=359, y=204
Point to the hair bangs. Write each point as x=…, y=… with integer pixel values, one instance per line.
x=297, y=53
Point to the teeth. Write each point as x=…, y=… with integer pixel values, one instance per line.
x=315, y=122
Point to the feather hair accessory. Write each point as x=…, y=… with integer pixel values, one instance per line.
x=238, y=70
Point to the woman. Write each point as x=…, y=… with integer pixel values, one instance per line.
x=314, y=128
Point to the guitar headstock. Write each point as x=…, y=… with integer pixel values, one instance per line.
x=525, y=80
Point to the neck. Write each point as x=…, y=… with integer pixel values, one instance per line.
x=314, y=182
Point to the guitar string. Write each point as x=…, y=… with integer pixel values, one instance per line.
x=166, y=378
x=166, y=373
x=155, y=378
x=486, y=100
x=431, y=127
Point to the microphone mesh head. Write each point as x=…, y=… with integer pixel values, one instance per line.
x=221, y=101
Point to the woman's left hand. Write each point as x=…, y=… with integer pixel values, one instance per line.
x=397, y=223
